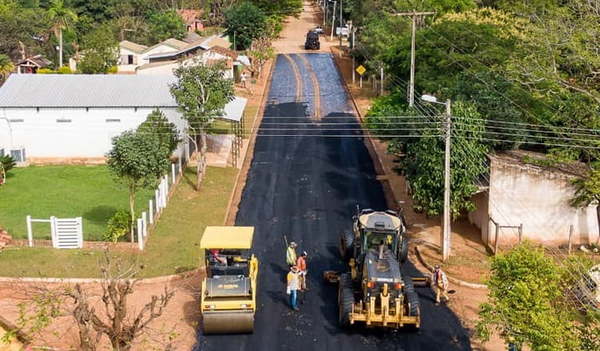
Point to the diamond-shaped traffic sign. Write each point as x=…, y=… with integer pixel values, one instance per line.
x=361, y=70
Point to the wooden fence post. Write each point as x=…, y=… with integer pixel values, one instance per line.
x=570, y=238
x=173, y=173
x=157, y=201
x=520, y=232
x=29, y=231
x=496, y=241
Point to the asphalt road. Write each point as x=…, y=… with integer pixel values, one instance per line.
x=307, y=187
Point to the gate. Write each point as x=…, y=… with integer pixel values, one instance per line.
x=67, y=233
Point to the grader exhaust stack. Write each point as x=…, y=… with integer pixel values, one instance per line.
x=228, y=297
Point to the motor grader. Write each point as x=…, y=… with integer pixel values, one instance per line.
x=374, y=291
x=229, y=290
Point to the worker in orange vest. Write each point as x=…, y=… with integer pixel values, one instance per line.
x=301, y=264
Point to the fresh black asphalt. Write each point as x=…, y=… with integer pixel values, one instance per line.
x=306, y=188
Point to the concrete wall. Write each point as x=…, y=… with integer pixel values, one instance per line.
x=480, y=217
x=63, y=134
x=539, y=199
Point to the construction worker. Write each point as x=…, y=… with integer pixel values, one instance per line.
x=293, y=285
x=301, y=265
x=439, y=283
x=290, y=255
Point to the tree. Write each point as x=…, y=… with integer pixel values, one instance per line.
x=6, y=66
x=166, y=24
x=158, y=125
x=244, y=22
x=62, y=18
x=115, y=319
x=587, y=192
x=100, y=51
x=137, y=160
x=6, y=164
x=201, y=93
x=261, y=51
x=424, y=163
x=524, y=288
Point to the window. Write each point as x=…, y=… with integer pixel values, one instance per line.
x=62, y=120
x=18, y=155
x=16, y=120
x=113, y=120
x=130, y=60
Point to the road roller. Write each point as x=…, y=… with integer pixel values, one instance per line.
x=228, y=294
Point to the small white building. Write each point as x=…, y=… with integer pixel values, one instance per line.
x=56, y=118
x=524, y=193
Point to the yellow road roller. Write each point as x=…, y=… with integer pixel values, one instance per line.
x=228, y=296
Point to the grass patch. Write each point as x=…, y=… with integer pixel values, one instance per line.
x=172, y=246
x=90, y=192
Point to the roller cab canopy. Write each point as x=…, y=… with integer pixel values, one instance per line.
x=227, y=237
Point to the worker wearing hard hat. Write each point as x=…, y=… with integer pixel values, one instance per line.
x=290, y=254
x=439, y=283
x=293, y=285
x=301, y=265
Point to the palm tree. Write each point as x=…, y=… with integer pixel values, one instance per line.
x=6, y=66
x=62, y=18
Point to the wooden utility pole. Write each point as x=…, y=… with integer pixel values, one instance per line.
x=333, y=20
x=414, y=14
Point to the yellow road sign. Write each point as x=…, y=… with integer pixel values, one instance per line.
x=361, y=70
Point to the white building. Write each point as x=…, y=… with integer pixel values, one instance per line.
x=59, y=118
x=523, y=193
x=132, y=55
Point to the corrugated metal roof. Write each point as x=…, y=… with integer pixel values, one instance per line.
x=97, y=90
x=137, y=48
x=83, y=90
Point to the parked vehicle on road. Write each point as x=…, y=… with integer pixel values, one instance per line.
x=312, y=41
x=318, y=30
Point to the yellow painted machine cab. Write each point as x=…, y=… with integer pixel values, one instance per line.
x=228, y=294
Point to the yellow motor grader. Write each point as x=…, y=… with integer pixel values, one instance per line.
x=228, y=295
x=374, y=291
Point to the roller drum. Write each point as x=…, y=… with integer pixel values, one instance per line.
x=230, y=322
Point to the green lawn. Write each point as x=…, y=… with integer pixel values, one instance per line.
x=172, y=246
x=63, y=191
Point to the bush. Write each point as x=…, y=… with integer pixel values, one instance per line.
x=64, y=70
x=45, y=71
x=118, y=226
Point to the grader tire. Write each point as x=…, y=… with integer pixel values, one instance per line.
x=346, y=242
x=414, y=305
x=345, y=299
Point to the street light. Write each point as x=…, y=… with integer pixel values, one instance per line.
x=445, y=234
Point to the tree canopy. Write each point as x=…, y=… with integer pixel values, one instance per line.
x=245, y=22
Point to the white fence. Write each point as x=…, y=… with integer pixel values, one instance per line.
x=66, y=233
x=158, y=203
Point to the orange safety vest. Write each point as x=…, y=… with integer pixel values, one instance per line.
x=301, y=264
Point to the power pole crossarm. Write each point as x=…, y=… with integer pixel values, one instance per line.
x=414, y=15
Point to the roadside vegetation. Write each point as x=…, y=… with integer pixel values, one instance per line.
x=172, y=245
x=534, y=301
x=527, y=71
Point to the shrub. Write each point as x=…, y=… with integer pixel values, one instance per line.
x=45, y=71
x=113, y=69
x=118, y=226
x=64, y=70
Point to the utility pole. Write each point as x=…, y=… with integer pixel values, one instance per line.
x=325, y=9
x=341, y=1
x=333, y=20
x=381, y=80
x=413, y=14
x=446, y=231
x=353, y=59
